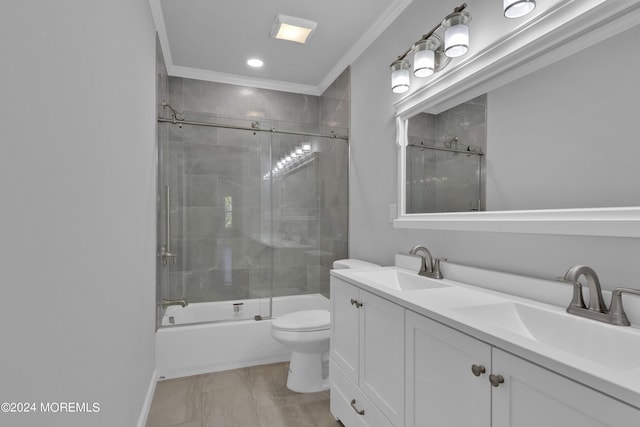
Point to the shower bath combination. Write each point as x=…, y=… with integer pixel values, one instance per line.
x=244, y=235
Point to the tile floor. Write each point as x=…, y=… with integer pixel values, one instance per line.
x=247, y=397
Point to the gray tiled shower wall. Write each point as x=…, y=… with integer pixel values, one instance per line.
x=220, y=253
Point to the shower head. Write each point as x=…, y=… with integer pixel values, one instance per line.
x=175, y=114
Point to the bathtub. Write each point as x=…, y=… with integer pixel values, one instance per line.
x=184, y=348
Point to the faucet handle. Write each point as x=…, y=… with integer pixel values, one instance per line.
x=577, y=300
x=437, y=274
x=617, y=315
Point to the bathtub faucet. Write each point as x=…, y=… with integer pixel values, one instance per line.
x=167, y=302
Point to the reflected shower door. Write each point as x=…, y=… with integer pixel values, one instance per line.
x=443, y=181
x=218, y=198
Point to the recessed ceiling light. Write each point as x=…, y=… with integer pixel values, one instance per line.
x=293, y=29
x=255, y=63
x=518, y=8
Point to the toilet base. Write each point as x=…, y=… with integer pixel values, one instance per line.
x=308, y=372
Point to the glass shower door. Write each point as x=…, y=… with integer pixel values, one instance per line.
x=443, y=180
x=310, y=211
x=217, y=215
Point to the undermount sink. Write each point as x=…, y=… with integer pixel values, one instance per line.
x=616, y=346
x=399, y=280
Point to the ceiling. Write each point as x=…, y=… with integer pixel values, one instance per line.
x=212, y=39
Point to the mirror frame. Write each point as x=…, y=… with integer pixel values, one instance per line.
x=564, y=29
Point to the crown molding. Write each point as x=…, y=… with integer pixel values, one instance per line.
x=158, y=19
x=377, y=28
x=381, y=24
x=234, y=79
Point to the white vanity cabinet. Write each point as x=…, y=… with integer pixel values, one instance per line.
x=446, y=386
x=532, y=396
x=367, y=357
x=441, y=388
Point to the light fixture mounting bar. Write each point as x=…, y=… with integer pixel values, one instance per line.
x=458, y=9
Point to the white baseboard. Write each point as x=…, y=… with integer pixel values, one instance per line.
x=142, y=421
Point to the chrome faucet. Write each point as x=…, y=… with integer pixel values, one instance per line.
x=596, y=302
x=181, y=302
x=596, y=310
x=429, y=267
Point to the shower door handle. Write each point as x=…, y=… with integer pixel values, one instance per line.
x=165, y=253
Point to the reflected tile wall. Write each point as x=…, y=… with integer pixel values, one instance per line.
x=467, y=121
x=441, y=182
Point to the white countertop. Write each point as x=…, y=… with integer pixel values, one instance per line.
x=442, y=304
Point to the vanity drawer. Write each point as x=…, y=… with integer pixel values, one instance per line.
x=343, y=393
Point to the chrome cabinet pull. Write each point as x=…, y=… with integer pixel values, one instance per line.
x=478, y=370
x=355, y=302
x=496, y=380
x=358, y=411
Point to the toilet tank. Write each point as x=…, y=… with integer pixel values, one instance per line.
x=352, y=263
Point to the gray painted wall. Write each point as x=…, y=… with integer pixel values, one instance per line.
x=373, y=181
x=77, y=178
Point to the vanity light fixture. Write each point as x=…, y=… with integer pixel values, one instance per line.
x=433, y=51
x=424, y=60
x=431, y=54
x=400, y=76
x=293, y=29
x=456, y=35
x=518, y=8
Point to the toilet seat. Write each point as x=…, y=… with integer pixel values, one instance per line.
x=303, y=321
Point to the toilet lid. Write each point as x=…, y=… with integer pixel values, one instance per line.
x=303, y=321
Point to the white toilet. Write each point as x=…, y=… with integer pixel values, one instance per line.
x=306, y=334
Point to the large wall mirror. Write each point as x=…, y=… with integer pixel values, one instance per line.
x=548, y=146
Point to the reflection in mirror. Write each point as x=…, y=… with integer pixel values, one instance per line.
x=562, y=137
x=445, y=159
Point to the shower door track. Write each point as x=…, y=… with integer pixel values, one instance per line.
x=453, y=150
x=257, y=129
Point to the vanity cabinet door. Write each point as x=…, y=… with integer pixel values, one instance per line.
x=382, y=355
x=442, y=390
x=367, y=346
x=345, y=321
x=532, y=396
